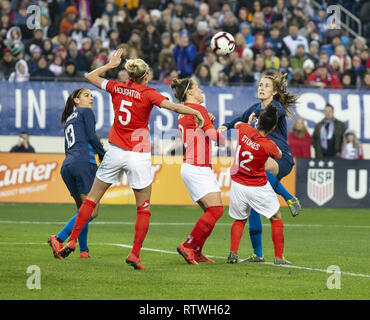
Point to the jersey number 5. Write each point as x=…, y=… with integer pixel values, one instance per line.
x=243, y=162
x=125, y=110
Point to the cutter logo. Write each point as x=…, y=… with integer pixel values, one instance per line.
x=320, y=182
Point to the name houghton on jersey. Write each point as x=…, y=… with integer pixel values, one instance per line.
x=128, y=92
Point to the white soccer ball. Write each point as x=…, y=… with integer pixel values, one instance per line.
x=223, y=43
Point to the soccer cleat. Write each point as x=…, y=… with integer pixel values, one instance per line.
x=253, y=258
x=135, y=262
x=67, y=249
x=55, y=246
x=200, y=257
x=85, y=254
x=279, y=261
x=187, y=253
x=294, y=206
x=232, y=258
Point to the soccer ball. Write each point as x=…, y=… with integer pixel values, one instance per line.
x=223, y=43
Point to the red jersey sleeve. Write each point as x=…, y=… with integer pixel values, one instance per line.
x=109, y=85
x=271, y=149
x=154, y=97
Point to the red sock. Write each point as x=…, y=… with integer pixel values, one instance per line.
x=203, y=228
x=237, y=230
x=141, y=229
x=84, y=214
x=277, y=235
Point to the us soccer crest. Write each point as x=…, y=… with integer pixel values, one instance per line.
x=320, y=181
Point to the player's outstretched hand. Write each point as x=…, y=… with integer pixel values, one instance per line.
x=199, y=121
x=211, y=116
x=252, y=118
x=115, y=60
x=221, y=129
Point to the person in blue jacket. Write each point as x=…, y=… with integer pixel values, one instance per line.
x=79, y=166
x=271, y=89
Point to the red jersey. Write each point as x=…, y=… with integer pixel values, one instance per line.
x=196, y=141
x=132, y=104
x=251, y=155
x=301, y=147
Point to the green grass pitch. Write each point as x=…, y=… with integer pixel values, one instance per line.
x=315, y=240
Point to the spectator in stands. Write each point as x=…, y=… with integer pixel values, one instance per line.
x=230, y=24
x=299, y=58
x=259, y=43
x=42, y=72
x=199, y=37
x=358, y=45
x=365, y=57
x=310, y=32
x=308, y=68
x=299, y=139
x=277, y=43
x=70, y=73
x=344, y=59
x=47, y=49
x=294, y=39
x=7, y=64
x=245, y=30
x=202, y=75
x=328, y=135
x=60, y=40
x=78, y=32
x=56, y=66
x=366, y=81
x=240, y=44
x=21, y=73
x=321, y=78
x=351, y=147
x=357, y=70
x=334, y=62
x=70, y=18
x=258, y=23
x=313, y=52
x=240, y=73
x=298, y=78
x=214, y=66
x=184, y=55
x=74, y=55
x=151, y=44
x=23, y=144
x=348, y=81
x=259, y=67
x=35, y=52
x=13, y=35
x=285, y=67
x=320, y=20
x=271, y=60
x=87, y=52
x=100, y=29
x=268, y=12
x=122, y=23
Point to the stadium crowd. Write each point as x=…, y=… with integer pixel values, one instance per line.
x=72, y=37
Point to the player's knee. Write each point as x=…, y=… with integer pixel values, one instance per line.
x=144, y=208
x=218, y=212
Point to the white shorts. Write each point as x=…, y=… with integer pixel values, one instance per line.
x=136, y=165
x=199, y=180
x=243, y=198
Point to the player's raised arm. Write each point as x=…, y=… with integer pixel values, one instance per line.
x=94, y=77
x=179, y=108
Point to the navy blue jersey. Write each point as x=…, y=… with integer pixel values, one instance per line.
x=81, y=141
x=279, y=135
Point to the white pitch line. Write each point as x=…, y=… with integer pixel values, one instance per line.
x=361, y=275
x=180, y=224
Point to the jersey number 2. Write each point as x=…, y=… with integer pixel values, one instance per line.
x=125, y=110
x=243, y=162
